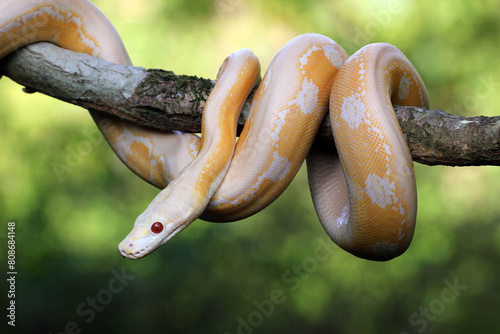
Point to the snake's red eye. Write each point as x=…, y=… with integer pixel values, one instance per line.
x=157, y=227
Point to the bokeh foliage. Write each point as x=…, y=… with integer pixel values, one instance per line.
x=211, y=277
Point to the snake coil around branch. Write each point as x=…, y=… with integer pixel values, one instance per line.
x=166, y=101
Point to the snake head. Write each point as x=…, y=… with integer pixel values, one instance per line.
x=147, y=237
x=158, y=224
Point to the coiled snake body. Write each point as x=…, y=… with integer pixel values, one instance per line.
x=365, y=196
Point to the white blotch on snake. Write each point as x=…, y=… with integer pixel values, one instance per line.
x=361, y=72
x=279, y=168
x=267, y=79
x=353, y=110
x=303, y=59
x=380, y=190
x=404, y=87
x=332, y=55
x=279, y=124
x=382, y=248
x=307, y=97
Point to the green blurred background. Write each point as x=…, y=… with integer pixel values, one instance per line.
x=274, y=272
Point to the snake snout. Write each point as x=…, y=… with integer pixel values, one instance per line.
x=134, y=249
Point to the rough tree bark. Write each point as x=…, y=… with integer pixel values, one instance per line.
x=162, y=100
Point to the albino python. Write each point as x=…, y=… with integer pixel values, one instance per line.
x=365, y=196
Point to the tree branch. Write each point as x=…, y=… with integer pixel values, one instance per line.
x=162, y=100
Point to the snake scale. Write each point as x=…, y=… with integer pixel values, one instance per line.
x=364, y=195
